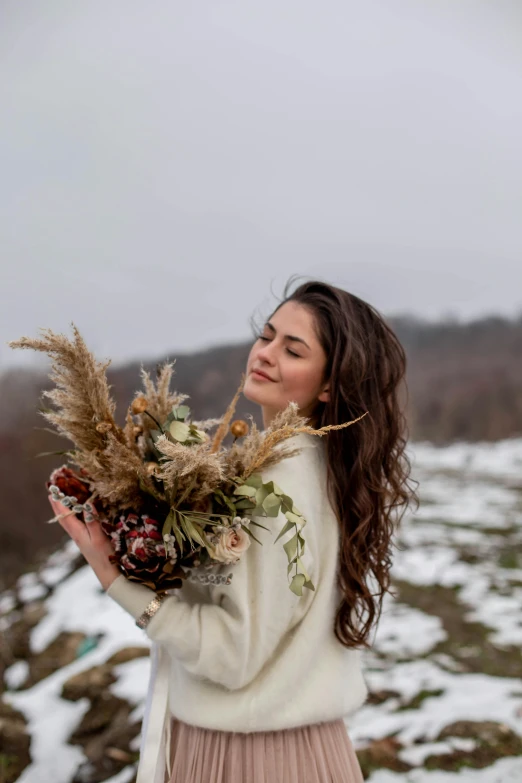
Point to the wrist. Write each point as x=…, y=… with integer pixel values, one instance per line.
x=106, y=580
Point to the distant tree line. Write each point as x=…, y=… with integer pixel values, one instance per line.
x=464, y=383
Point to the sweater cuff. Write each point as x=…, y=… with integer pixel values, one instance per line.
x=131, y=596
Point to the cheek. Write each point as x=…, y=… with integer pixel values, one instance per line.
x=301, y=383
x=251, y=357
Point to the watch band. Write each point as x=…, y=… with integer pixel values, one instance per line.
x=145, y=618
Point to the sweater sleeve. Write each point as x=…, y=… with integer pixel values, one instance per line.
x=229, y=640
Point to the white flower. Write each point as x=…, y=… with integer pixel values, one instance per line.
x=170, y=547
x=230, y=546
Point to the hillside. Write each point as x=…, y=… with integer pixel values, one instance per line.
x=444, y=673
x=465, y=383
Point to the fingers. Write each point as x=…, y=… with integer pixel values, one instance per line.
x=68, y=520
x=92, y=523
x=89, y=512
x=97, y=536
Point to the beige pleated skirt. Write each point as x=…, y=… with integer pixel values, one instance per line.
x=319, y=753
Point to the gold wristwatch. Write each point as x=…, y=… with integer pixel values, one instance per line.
x=145, y=618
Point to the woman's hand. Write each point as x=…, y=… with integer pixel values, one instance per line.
x=92, y=542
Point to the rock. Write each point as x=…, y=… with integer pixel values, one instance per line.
x=105, y=734
x=89, y=684
x=16, y=636
x=61, y=652
x=102, y=713
x=492, y=741
x=14, y=744
x=382, y=753
x=128, y=654
x=379, y=697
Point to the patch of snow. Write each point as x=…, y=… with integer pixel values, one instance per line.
x=432, y=565
x=16, y=674
x=129, y=686
x=78, y=604
x=466, y=491
x=405, y=632
x=500, y=612
x=30, y=589
x=506, y=770
x=417, y=754
x=7, y=602
x=59, y=565
x=476, y=697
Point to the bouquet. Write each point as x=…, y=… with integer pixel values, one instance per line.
x=174, y=501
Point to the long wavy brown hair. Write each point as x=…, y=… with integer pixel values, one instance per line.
x=369, y=483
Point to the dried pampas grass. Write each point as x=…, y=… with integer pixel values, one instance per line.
x=266, y=448
x=82, y=395
x=127, y=467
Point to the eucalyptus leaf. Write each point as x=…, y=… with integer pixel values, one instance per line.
x=309, y=585
x=245, y=504
x=230, y=505
x=291, y=547
x=245, y=490
x=271, y=505
x=293, y=518
x=285, y=529
x=302, y=542
x=296, y=585
x=254, y=480
x=302, y=568
x=181, y=412
x=220, y=495
x=287, y=503
x=261, y=494
x=179, y=431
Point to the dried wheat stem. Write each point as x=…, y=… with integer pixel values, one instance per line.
x=288, y=431
x=227, y=418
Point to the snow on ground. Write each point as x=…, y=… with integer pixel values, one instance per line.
x=458, y=570
x=467, y=538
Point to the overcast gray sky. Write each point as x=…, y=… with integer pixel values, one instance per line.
x=163, y=165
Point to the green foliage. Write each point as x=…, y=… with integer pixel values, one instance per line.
x=269, y=500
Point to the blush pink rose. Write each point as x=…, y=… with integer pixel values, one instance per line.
x=230, y=545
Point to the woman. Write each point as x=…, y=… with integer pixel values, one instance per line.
x=251, y=682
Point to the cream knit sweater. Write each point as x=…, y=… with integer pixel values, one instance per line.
x=252, y=656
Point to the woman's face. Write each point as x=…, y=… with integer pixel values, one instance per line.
x=287, y=363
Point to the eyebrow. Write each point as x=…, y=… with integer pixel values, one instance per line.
x=287, y=336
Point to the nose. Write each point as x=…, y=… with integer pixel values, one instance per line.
x=266, y=353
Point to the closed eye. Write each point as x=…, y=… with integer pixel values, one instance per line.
x=268, y=340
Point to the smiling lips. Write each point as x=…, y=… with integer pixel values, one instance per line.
x=260, y=375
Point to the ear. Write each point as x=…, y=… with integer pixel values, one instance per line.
x=325, y=394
